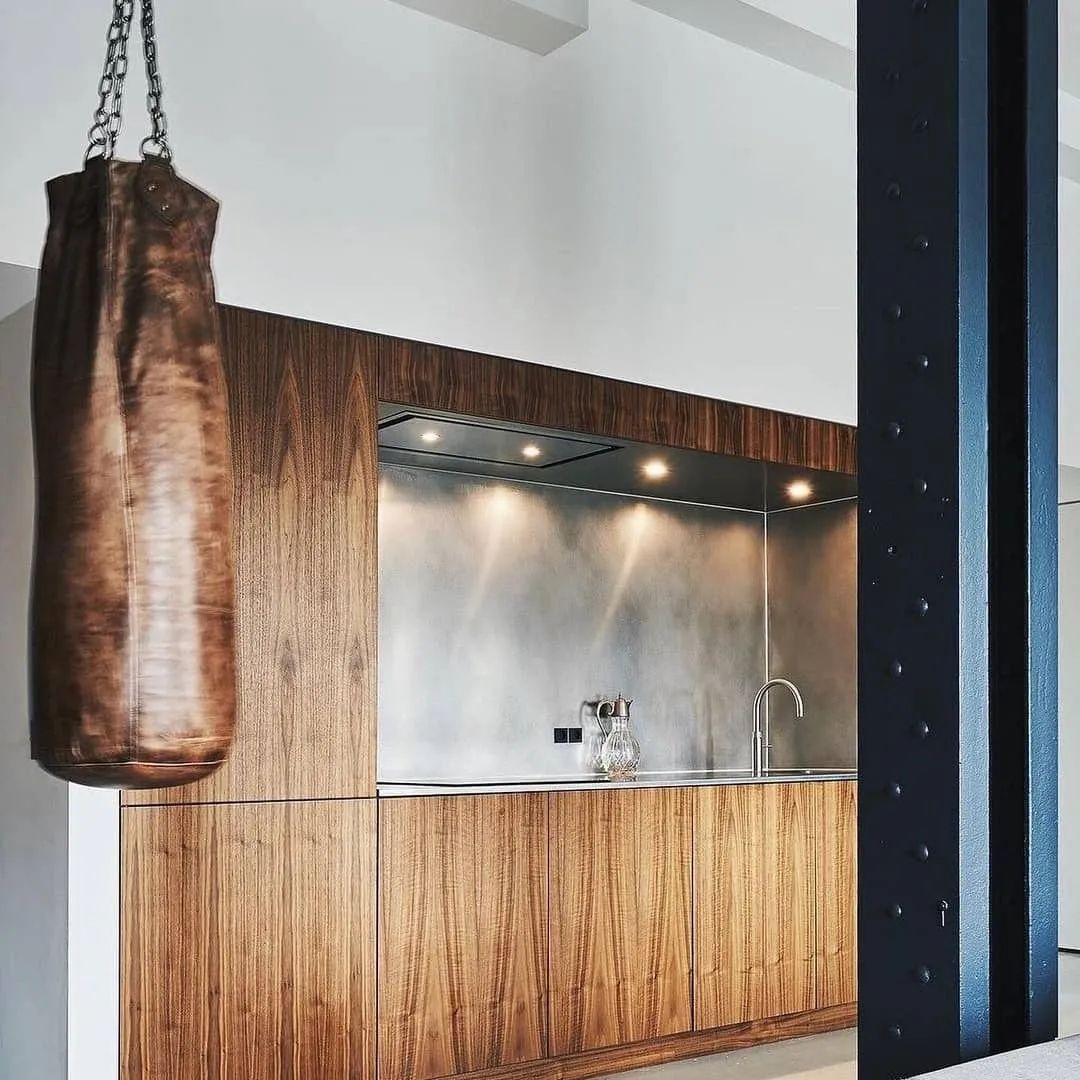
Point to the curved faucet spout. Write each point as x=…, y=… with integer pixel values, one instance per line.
x=761, y=744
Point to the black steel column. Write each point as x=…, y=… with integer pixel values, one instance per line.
x=958, y=539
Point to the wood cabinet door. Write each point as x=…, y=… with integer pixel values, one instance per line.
x=462, y=933
x=302, y=428
x=248, y=941
x=753, y=902
x=836, y=849
x=620, y=917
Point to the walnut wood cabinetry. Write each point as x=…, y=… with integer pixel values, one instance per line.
x=598, y=930
x=754, y=902
x=248, y=941
x=620, y=916
x=248, y=923
x=774, y=900
x=539, y=937
x=462, y=934
x=836, y=886
x=454, y=380
x=302, y=428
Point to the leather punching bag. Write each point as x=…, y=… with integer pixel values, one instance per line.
x=132, y=661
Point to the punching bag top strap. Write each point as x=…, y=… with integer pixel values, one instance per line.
x=105, y=129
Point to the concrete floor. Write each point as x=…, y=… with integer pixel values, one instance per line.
x=825, y=1057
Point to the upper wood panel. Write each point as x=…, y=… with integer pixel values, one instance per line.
x=462, y=934
x=835, y=828
x=436, y=377
x=753, y=902
x=302, y=408
x=620, y=917
x=248, y=941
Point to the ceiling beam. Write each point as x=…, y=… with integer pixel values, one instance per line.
x=764, y=33
x=540, y=26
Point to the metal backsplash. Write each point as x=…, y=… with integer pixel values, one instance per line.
x=503, y=606
x=812, y=633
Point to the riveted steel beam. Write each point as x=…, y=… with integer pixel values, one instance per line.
x=957, y=552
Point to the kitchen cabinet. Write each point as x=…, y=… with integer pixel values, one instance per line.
x=550, y=923
x=462, y=933
x=248, y=942
x=620, y=916
x=302, y=432
x=775, y=900
x=753, y=902
x=837, y=891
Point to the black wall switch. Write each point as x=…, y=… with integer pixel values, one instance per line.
x=573, y=734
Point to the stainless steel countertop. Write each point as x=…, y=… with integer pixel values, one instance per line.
x=593, y=781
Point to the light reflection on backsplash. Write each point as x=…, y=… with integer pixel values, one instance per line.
x=505, y=605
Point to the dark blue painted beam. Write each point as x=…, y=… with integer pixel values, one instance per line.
x=957, y=579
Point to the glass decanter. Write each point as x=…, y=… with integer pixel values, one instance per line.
x=620, y=752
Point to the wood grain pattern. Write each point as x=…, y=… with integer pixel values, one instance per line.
x=836, y=847
x=248, y=941
x=437, y=377
x=620, y=917
x=753, y=902
x=302, y=407
x=462, y=933
x=676, y=1047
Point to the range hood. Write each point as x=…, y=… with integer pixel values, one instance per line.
x=480, y=447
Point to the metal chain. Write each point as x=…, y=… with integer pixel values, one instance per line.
x=159, y=126
x=105, y=129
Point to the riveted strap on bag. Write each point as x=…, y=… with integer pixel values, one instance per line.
x=105, y=130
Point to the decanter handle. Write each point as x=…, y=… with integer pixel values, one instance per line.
x=603, y=718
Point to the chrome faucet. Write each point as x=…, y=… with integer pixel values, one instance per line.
x=761, y=730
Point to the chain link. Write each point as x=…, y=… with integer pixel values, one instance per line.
x=159, y=125
x=105, y=129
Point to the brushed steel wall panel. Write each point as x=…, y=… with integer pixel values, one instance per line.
x=812, y=634
x=504, y=605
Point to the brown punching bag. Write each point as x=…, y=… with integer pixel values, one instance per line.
x=132, y=653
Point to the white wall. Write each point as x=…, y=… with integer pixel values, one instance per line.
x=648, y=202
x=93, y=936
x=1069, y=708
x=33, y=807
x=59, y=844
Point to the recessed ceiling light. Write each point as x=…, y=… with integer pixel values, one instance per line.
x=531, y=451
x=655, y=469
x=799, y=489
x=430, y=437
